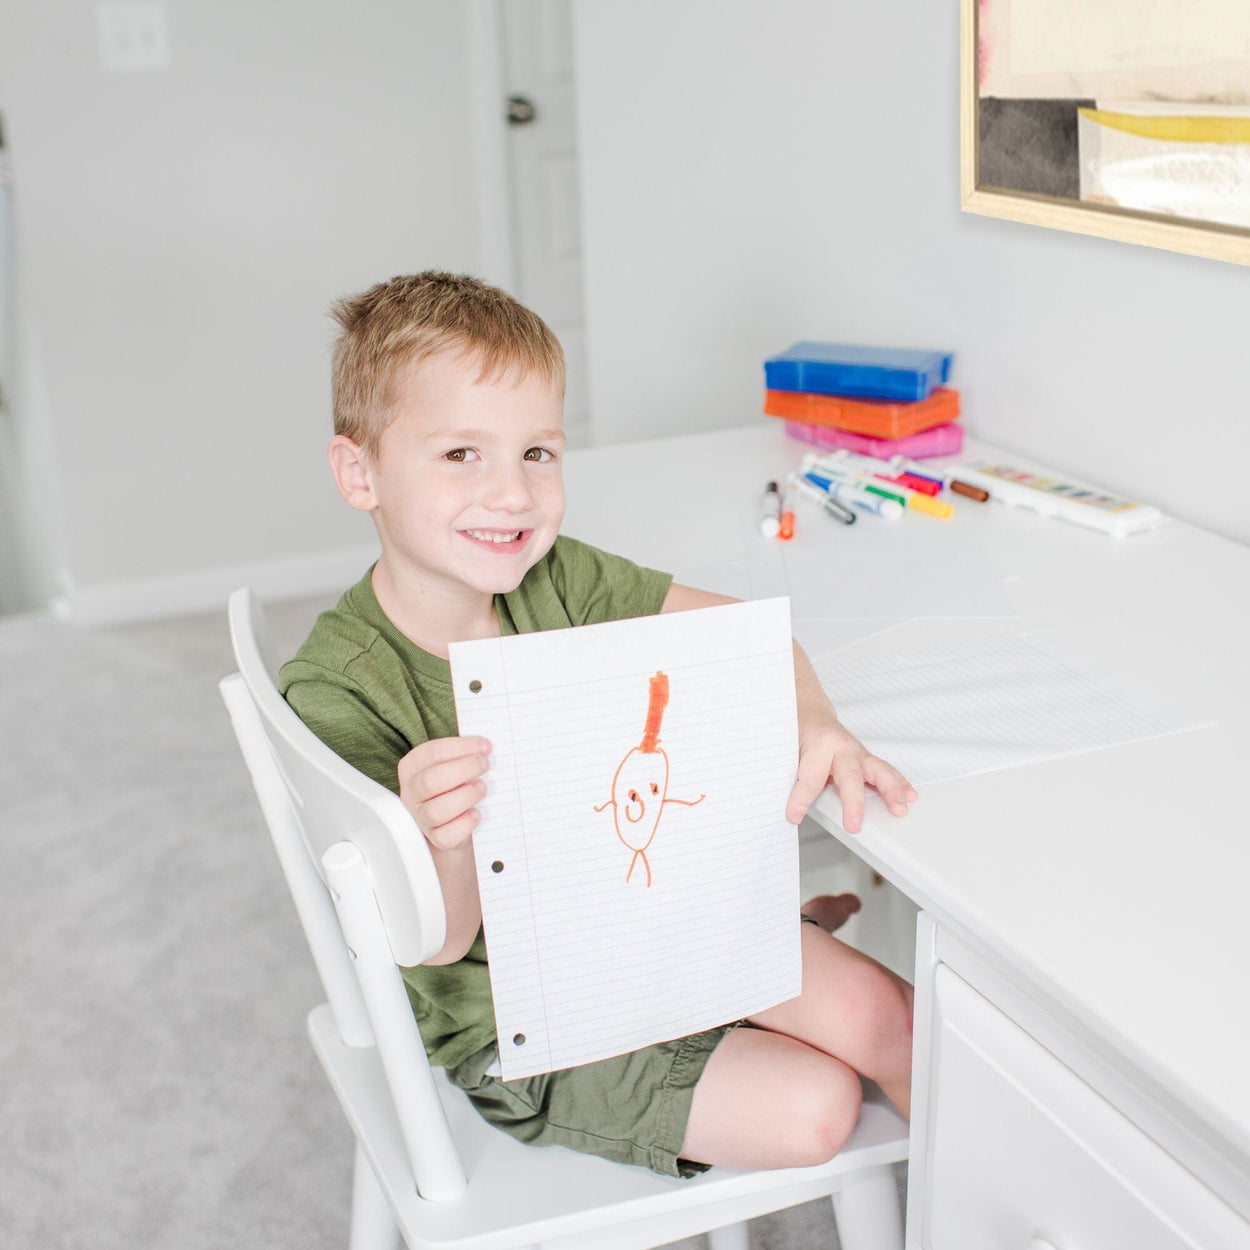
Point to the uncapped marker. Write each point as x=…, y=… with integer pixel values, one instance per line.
x=966, y=488
x=770, y=522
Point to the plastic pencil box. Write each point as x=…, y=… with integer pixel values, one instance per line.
x=1084, y=505
x=878, y=418
x=941, y=440
x=867, y=372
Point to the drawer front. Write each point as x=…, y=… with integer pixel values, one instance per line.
x=1023, y=1155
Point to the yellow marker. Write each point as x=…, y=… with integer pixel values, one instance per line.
x=916, y=500
x=920, y=502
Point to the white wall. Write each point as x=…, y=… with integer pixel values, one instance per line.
x=759, y=173
x=181, y=235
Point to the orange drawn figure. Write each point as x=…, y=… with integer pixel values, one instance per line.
x=640, y=786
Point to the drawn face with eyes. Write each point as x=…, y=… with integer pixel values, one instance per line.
x=638, y=791
x=640, y=784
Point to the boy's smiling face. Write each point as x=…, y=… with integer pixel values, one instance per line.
x=466, y=488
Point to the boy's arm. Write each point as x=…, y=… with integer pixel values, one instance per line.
x=828, y=751
x=440, y=783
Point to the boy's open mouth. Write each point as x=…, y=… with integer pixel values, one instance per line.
x=498, y=540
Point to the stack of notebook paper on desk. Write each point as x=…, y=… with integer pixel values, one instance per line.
x=878, y=401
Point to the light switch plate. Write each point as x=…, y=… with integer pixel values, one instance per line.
x=134, y=35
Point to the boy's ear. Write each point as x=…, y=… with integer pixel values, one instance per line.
x=351, y=473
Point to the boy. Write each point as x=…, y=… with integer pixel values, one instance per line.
x=448, y=399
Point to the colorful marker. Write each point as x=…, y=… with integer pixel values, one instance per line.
x=822, y=497
x=853, y=496
x=926, y=503
x=868, y=481
x=921, y=472
x=897, y=470
x=915, y=481
x=770, y=522
x=786, y=531
x=966, y=489
x=865, y=481
x=859, y=462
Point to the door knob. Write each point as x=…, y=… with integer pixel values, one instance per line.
x=521, y=110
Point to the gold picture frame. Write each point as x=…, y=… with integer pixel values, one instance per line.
x=1035, y=201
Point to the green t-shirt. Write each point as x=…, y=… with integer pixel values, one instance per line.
x=371, y=695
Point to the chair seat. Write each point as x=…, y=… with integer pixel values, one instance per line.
x=522, y=1195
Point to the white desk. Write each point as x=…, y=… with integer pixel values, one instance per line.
x=1097, y=901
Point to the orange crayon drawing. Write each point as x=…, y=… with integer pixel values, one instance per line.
x=640, y=785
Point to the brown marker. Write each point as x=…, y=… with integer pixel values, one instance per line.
x=966, y=488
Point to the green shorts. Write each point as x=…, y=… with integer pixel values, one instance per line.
x=631, y=1109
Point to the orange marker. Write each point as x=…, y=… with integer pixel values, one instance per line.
x=786, y=532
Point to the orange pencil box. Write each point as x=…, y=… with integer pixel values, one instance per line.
x=879, y=418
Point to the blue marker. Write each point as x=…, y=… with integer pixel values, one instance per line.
x=857, y=497
x=838, y=511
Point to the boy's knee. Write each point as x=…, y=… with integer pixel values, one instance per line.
x=829, y=1113
x=887, y=1027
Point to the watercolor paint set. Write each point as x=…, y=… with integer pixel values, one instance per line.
x=1068, y=501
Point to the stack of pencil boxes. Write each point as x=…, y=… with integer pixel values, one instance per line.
x=877, y=401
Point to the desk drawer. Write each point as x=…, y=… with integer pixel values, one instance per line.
x=1023, y=1155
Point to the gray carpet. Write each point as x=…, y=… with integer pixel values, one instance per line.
x=156, y=1085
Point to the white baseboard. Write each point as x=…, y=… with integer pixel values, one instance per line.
x=207, y=590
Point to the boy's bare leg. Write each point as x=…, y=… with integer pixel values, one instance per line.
x=831, y=911
x=853, y=1009
x=768, y=1101
x=786, y=1093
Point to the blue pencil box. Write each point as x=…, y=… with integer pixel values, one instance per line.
x=871, y=372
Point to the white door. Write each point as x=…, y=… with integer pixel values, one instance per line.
x=16, y=594
x=543, y=182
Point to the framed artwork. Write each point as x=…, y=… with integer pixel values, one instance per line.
x=1128, y=119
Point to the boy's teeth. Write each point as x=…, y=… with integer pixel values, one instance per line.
x=494, y=538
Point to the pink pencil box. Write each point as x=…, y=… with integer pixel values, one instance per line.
x=941, y=440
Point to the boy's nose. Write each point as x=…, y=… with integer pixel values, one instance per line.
x=508, y=489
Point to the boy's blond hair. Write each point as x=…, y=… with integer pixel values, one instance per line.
x=415, y=316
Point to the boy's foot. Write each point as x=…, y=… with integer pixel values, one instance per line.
x=831, y=911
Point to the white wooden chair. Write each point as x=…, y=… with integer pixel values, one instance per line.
x=427, y=1167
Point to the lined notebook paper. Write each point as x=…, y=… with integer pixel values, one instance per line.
x=977, y=705
x=639, y=881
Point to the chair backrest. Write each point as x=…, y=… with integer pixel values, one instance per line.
x=331, y=802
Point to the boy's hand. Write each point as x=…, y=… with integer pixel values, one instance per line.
x=440, y=784
x=829, y=752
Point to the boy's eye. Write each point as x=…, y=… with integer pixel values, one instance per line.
x=460, y=454
x=633, y=796
x=655, y=789
x=538, y=455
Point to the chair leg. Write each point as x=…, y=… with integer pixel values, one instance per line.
x=729, y=1237
x=867, y=1210
x=373, y=1223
